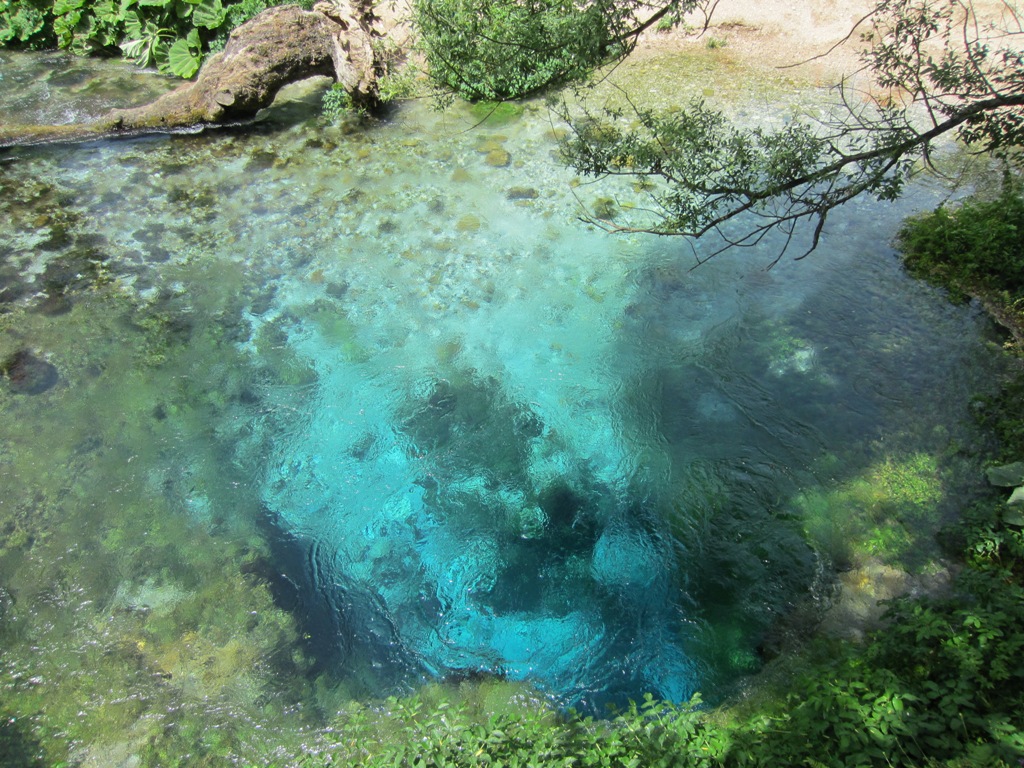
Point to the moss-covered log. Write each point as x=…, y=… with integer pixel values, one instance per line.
x=282, y=45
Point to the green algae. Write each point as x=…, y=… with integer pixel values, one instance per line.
x=491, y=113
x=338, y=330
x=718, y=76
x=884, y=513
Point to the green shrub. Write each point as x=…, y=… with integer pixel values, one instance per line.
x=496, y=50
x=978, y=245
x=414, y=733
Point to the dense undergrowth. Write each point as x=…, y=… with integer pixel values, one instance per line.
x=975, y=250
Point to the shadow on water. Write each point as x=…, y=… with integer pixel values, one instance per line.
x=796, y=440
x=17, y=748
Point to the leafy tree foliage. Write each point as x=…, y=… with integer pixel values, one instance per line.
x=505, y=49
x=938, y=71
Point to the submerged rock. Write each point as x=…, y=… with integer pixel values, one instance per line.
x=522, y=193
x=27, y=374
x=498, y=158
x=468, y=223
x=53, y=305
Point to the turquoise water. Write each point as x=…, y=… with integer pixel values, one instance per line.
x=452, y=431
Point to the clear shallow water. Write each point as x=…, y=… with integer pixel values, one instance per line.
x=449, y=429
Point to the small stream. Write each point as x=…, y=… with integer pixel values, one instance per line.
x=304, y=414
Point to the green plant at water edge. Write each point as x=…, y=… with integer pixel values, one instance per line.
x=942, y=683
x=185, y=55
x=400, y=78
x=172, y=35
x=412, y=732
x=977, y=246
x=24, y=22
x=1010, y=476
x=337, y=105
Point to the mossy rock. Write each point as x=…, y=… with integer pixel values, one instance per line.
x=28, y=374
x=498, y=158
x=522, y=193
x=489, y=144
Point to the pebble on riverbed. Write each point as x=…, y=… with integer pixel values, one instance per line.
x=27, y=374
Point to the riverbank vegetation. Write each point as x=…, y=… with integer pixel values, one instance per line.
x=975, y=250
x=172, y=35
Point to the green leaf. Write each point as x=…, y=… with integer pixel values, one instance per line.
x=182, y=60
x=209, y=14
x=21, y=24
x=108, y=12
x=1008, y=475
x=132, y=26
x=137, y=50
x=63, y=6
x=1016, y=516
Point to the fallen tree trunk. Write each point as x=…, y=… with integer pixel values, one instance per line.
x=281, y=45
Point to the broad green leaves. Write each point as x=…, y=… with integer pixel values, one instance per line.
x=209, y=14
x=172, y=35
x=183, y=57
x=1007, y=475
x=22, y=22
x=167, y=32
x=144, y=39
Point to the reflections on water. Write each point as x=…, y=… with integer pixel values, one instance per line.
x=389, y=380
